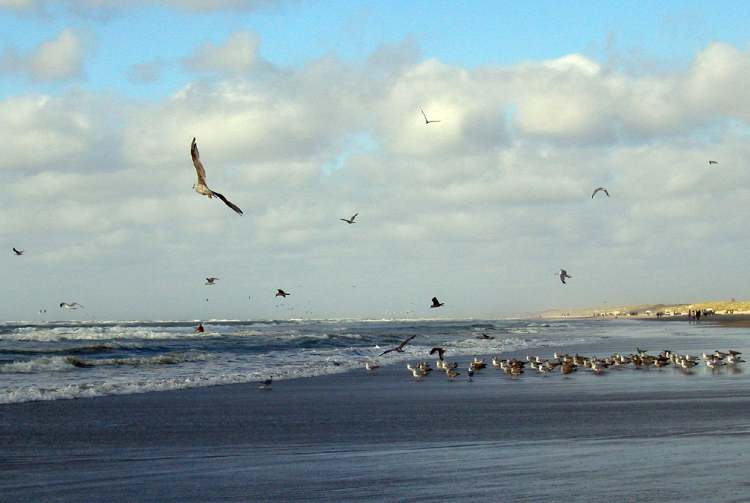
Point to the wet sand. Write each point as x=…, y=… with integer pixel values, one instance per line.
x=729, y=320
x=628, y=435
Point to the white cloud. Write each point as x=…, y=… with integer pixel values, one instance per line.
x=485, y=205
x=98, y=7
x=60, y=58
x=238, y=55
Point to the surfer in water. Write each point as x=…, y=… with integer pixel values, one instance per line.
x=199, y=328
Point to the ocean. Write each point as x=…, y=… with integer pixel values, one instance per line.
x=58, y=360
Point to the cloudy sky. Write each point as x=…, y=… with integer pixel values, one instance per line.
x=307, y=112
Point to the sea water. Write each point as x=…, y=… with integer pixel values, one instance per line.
x=57, y=360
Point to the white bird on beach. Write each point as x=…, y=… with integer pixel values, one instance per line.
x=201, y=187
x=416, y=372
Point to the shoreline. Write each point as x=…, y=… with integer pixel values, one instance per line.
x=735, y=320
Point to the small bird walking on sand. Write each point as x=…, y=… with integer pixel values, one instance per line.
x=350, y=220
x=281, y=293
x=400, y=347
x=599, y=189
x=17, y=252
x=436, y=303
x=564, y=274
x=266, y=383
x=201, y=187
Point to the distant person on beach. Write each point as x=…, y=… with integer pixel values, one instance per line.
x=199, y=328
x=698, y=315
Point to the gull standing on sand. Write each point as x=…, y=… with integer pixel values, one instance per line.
x=350, y=220
x=71, y=305
x=564, y=274
x=266, y=383
x=17, y=252
x=201, y=187
x=400, y=347
x=599, y=189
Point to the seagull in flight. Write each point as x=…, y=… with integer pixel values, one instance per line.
x=400, y=347
x=350, y=220
x=426, y=120
x=599, y=189
x=439, y=351
x=17, y=252
x=201, y=187
x=713, y=162
x=211, y=280
x=72, y=305
x=564, y=274
x=281, y=293
x=436, y=303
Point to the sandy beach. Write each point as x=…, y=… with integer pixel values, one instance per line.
x=634, y=435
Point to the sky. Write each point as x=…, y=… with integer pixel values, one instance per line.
x=308, y=112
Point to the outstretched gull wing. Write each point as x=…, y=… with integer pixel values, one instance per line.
x=199, y=169
x=406, y=341
x=423, y=115
x=598, y=189
x=354, y=216
x=228, y=202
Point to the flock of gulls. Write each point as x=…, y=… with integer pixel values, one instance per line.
x=565, y=363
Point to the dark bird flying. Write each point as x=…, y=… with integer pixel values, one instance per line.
x=400, y=347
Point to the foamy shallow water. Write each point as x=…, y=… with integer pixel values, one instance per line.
x=51, y=361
